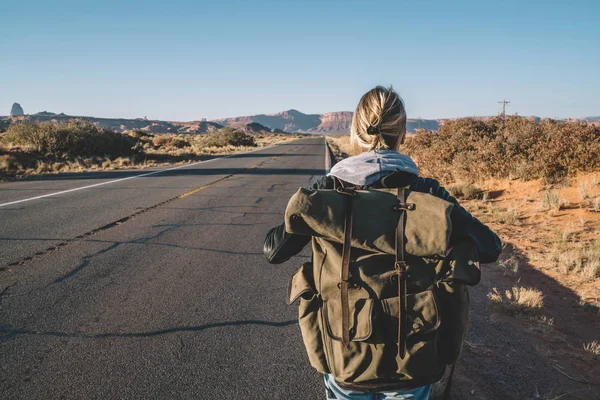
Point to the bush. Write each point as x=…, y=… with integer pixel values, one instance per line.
x=170, y=141
x=465, y=191
x=517, y=300
x=72, y=137
x=474, y=150
x=229, y=137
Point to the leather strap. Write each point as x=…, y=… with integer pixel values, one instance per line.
x=400, y=267
x=345, y=273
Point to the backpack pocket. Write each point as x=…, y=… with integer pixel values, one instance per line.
x=301, y=287
x=423, y=314
x=371, y=357
x=424, y=321
x=361, y=319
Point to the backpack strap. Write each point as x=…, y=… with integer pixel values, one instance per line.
x=345, y=270
x=400, y=269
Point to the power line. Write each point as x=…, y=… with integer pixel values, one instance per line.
x=504, y=103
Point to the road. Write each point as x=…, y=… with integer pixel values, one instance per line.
x=153, y=286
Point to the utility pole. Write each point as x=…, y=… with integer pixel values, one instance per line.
x=419, y=123
x=504, y=103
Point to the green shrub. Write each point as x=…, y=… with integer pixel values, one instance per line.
x=474, y=150
x=229, y=137
x=72, y=137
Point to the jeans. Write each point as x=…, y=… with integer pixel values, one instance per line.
x=335, y=392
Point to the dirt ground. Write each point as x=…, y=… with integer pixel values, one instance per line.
x=539, y=355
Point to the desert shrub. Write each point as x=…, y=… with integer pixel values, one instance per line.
x=503, y=216
x=593, y=348
x=472, y=149
x=583, y=261
x=510, y=266
x=465, y=191
x=517, y=300
x=228, y=137
x=551, y=201
x=71, y=137
x=170, y=141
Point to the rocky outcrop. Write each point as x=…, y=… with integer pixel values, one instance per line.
x=335, y=122
x=286, y=121
x=328, y=123
x=16, y=110
x=254, y=127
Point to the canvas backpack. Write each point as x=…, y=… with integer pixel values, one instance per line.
x=384, y=303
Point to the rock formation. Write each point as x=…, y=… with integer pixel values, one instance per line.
x=16, y=110
x=328, y=123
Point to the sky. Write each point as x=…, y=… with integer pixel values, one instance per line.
x=185, y=60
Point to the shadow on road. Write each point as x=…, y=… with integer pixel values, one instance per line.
x=185, y=171
x=9, y=332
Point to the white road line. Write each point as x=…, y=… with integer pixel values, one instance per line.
x=124, y=179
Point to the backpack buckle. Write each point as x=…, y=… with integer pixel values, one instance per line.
x=399, y=206
x=400, y=265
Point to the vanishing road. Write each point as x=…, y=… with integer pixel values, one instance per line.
x=152, y=284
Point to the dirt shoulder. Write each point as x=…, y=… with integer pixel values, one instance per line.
x=547, y=353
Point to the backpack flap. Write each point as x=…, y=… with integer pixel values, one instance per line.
x=301, y=283
x=462, y=265
x=320, y=213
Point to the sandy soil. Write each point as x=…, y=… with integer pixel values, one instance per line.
x=539, y=356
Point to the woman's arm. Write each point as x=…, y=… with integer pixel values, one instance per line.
x=280, y=246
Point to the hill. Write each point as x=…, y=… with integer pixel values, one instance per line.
x=328, y=123
x=331, y=123
x=123, y=124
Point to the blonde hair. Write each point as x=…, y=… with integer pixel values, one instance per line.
x=379, y=121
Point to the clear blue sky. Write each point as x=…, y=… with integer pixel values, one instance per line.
x=185, y=60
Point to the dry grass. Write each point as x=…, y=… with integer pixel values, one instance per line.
x=589, y=195
x=588, y=188
x=576, y=257
x=551, y=201
x=500, y=215
x=510, y=266
x=592, y=348
x=340, y=145
x=517, y=300
x=465, y=191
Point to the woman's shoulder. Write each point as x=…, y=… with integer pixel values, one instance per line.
x=432, y=186
x=324, y=182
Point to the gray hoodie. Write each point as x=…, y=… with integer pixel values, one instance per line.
x=368, y=168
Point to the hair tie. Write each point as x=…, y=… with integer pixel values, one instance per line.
x=374, y=130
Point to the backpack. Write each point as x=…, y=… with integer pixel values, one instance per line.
x=383, y=304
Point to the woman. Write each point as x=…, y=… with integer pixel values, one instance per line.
x=378, y=130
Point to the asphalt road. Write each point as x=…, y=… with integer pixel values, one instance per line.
x=153, y=286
